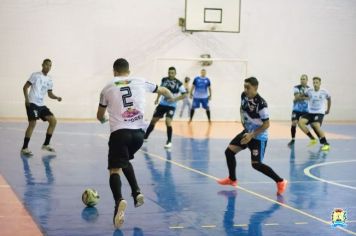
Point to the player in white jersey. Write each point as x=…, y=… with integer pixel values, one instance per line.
x=317, y=108
x=41, y=84
x=124, y=99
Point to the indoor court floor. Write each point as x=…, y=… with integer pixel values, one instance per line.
x=41, y=195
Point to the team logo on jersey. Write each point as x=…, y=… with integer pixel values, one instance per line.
x=338, y=217
x=130, y=112
x=122, y=82
x=171, y=112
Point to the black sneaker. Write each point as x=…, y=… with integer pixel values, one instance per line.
x=119, y=213
x=291, y=143
x=138, y=199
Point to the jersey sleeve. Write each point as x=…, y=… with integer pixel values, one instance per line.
x=327, y=94
x=309, y=92
x=195, y=81
x=50, y=85
x=32, y=78
x=150, y=87
x=103, y=101
x=209, y=83
x=263, y=111
x=295, y=90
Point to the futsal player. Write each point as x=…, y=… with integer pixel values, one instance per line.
x=201, y=94
x=124, y=99
x=165, y=107
x=186, y=101
x=40, y=84
x=255, y=120
x=300, y=106
x=317, y=97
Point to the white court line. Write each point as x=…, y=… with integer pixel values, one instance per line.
x=250, y=192
x=307, y=173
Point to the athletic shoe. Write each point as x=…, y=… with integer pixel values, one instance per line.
x=119, y=213
x=325, y=147
x=26, y=152
x=281, y=187
x=145, y=140
x=139, y=200
x=227, y=181
x=312, y=142
x=168, y=145
x=291, y=143
x=48, y=148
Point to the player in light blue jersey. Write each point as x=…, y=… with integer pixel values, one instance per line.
x=165, y=107
x=201, y=94
x=300, y=105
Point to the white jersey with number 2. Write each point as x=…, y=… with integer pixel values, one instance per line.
x=317, y=100
x=125, y=100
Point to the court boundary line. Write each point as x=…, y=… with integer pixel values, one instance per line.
x=248, y=191
x=308, y=169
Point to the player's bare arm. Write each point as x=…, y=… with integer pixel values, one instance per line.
x=100, y=114
x=25, y=92
x=210, y=94
x=248, y=136
x=328, y=106
x=52, y=96
x=191, y=91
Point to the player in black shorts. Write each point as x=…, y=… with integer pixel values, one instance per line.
x=40, y=84
x=124, y=98
x=255, y=119
x=167, y=108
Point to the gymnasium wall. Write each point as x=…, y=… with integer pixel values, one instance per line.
x=281, y=39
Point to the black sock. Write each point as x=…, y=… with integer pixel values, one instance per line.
x=323, y=140
x=25, y=142
x=293, y=131
x=310, y=135
x=208, y=114
x=48, y=139
x=265, y=169
x=149, y=130
x=231, y=163
x=169, y=133
x=131, y=178
x=192, y=114
x=115, y=185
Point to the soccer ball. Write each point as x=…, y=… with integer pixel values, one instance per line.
x=90, y=197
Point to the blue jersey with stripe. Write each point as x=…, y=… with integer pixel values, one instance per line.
x=302, y=105
x=254, y=112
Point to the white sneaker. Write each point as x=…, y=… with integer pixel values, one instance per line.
x=119, y=214
x=48, y=148
x=26, y=152
x=168, y=145
x=139, y=200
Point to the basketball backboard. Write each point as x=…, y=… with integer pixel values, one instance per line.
x=212, y=15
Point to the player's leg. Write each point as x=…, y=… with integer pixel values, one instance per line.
x=52, y=122
x=293, y=128
x=230, y=152
x=32, y=115
x=184, y=105
x=257, y=148
x=169, y=118
x=157, y=115
x=205, y=104
x=136, y=141
x=317, y=127
x=195, y=105
x=117, y=159
x=302, y=123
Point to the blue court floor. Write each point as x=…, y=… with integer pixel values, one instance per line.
x=181, y=194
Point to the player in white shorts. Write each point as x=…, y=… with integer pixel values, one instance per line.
x=124, y=99
x=317, y=98
x=41, y=84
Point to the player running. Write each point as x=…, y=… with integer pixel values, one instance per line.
x=124, y=99
x=316, y=111
x=165, y=107
x=201, y=94
x=255, y=120
x=300, y=105
x=40, y=84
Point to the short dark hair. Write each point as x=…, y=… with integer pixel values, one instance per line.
x=46, y=60
x=317, y=78
x=252, y=80
x=172, y=68
x=121, y=65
